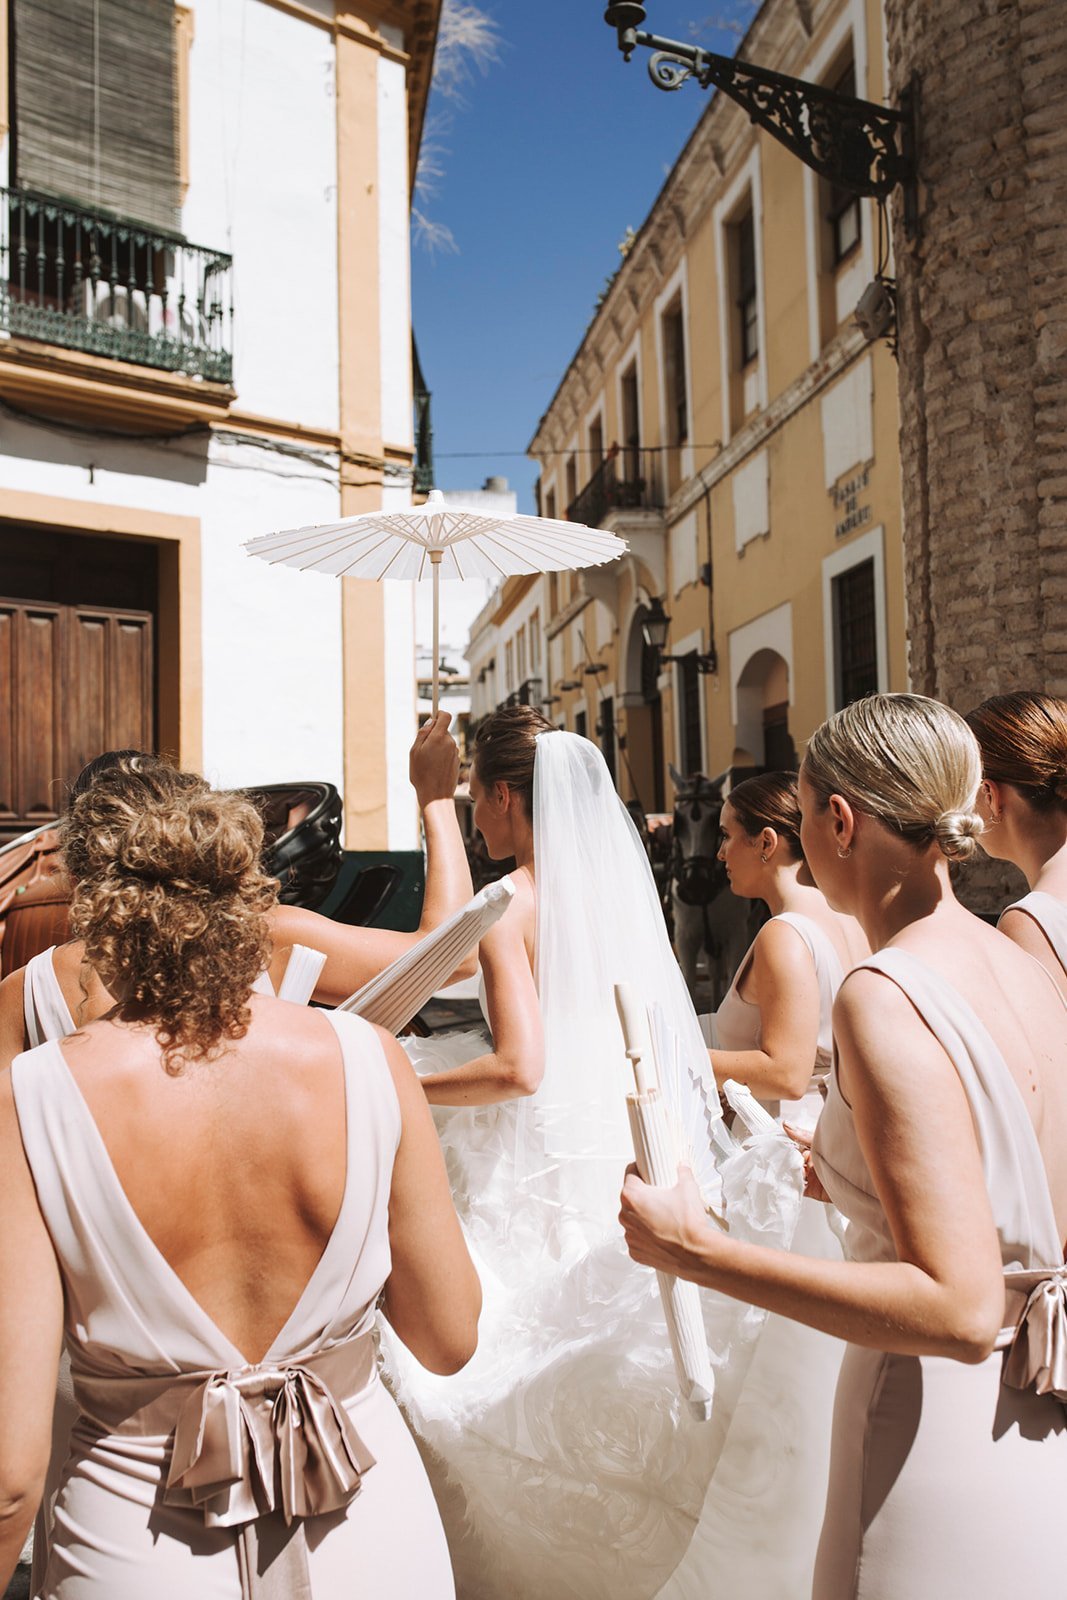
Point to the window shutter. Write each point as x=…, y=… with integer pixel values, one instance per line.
x=95, y=105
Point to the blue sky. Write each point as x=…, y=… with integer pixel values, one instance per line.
x=551, y=156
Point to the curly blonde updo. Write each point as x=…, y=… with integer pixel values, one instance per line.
x=906, y=760
x=171, y=901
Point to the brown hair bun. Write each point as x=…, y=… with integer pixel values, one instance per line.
x=505, y=746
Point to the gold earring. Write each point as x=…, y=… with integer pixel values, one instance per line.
x=845, y=853
x=763, y=859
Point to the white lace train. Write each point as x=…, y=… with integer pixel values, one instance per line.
x=563, y=1459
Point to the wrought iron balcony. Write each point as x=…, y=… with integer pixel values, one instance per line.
x=88, y=281
x=626, y=480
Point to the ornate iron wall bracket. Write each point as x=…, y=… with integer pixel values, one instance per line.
x=859, y=146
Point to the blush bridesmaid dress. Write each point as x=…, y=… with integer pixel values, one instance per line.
x=190, y=1470
x=949, y=1479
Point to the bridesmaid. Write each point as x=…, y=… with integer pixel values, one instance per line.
x=944, y=1140
x=1023, y=802
x=205, y=1195
x=772, y=1030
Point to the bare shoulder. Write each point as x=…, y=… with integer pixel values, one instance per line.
x=779, y=947
x=518, y=920
x=525, y=892
x=871, y=1009
x=1024, y=930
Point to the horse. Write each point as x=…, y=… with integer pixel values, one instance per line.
x=707, y=915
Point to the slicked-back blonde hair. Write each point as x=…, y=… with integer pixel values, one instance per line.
x=908, y=761
x=171, y=901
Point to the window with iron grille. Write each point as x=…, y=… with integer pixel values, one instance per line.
x=855, y=634
x=689, y=729
x=607, y=732
x=674, y=374
x=596, y=445
x=580, y=723
x=631, y=422
x=843, y=211
x=747, y=299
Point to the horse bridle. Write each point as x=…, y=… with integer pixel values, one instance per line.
x=697, y=879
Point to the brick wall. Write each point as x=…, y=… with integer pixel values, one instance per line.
x=983, y=349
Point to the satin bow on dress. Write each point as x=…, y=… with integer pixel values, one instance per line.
x=1037, y=1355
x=262, y=1445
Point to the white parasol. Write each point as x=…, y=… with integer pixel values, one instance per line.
x=446, y=541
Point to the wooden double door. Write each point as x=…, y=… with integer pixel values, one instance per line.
x=77, y=663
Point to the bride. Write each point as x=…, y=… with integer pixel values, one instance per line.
x=564, y=1462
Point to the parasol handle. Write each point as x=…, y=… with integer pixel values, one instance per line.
x=634, y=1020
x=435, y=563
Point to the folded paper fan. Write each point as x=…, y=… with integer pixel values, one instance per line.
x=398, y=994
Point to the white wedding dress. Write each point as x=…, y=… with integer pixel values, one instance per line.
x=564, y=1461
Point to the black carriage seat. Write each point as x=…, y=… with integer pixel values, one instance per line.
x=302, y=839
x=371, y=891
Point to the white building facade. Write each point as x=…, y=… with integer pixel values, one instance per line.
x=209, y=345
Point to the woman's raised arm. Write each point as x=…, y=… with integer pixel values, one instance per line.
x=355, y=955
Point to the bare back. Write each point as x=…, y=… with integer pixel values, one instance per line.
x=1024, y=1014
x=235, y=1167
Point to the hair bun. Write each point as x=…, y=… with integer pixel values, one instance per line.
x=957, y=833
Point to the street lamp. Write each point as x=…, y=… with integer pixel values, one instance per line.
x=854, y=144
x=655, y=626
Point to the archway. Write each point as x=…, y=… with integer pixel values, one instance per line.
x=644, y=717
x=763, y=711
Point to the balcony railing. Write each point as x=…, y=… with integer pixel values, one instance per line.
x=626, y=480
x=87, y=281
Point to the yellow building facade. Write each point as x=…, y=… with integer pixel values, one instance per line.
x=726, y=417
